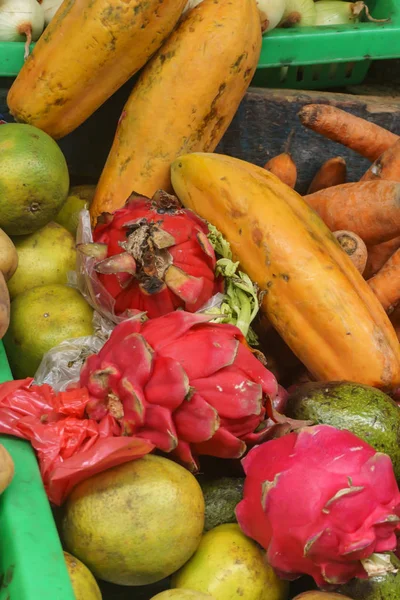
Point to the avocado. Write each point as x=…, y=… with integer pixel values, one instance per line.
x=365, y=411
x=382, y=587
x=221, y=497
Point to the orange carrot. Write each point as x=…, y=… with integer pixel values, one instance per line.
x=333, y=172
x=386, y=283
x=366, y=138
x=379, y=254
x=354, y=246
x=371, y=209
x=395, y=318
x=283, y=165
x=387, y=166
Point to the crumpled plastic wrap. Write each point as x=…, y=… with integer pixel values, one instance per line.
x=86, y=281
x=62, y=364
x=69, y=447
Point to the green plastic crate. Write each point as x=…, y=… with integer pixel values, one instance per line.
x=323, y=57
x=302, y=58
x=32, y=565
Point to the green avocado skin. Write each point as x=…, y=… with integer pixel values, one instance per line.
x=221, y=497
x=385, y=587
x=365, y=411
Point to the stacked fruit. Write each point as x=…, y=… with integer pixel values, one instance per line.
x=196, y=285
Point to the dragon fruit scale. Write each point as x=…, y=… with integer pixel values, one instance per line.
x=321, y=502
x=154, y=256
x=187, y=385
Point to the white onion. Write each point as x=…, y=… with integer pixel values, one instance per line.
x=21, y=20
x=191, y=4
x=271, y=13
x=335, y=12
x=338, y=12
x=298, y=12
x=50, y=7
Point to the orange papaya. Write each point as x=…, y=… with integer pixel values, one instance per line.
x=88, y=51
x=184, y=100
x=313, y=294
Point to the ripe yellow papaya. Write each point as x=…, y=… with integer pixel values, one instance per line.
x=184, y=100
x=314, y=296
x=88, y=51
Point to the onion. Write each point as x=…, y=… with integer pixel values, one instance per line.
x=50, y=7
x=339, y=12
x=299, y=12
x=191, y=4
x=19, y=20
x=271, y=13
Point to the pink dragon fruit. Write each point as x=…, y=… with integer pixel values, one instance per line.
x=189, y=386
x=321, y=502
x=154, y=256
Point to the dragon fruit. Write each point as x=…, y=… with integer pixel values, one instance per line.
x=187, y=385
x=154, y=256
x=321, y=502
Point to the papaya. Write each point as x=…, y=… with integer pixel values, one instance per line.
x=313, y=294
x=88, y=51
x=184, y=100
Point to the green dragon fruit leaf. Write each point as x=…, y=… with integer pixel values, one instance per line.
x=241, y=300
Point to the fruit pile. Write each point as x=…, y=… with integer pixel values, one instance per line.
x=206, y=373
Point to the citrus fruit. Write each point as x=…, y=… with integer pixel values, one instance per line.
x=8, y=256
x=79, y=197
x=44, y=256
x=42, y=318
x=136, y=523
x=83, y=583
x=34, y=178
x=182, y=594
x=230, y=566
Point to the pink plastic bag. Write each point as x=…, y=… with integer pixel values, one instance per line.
x=69, y=447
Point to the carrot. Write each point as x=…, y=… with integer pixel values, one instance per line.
x=371, y=209
x=333, y=172
x=395, y=319
x=283, y=165
x=387, y=166
x=366, y=138
x=386, y=283
x=354, y=246
x=379, y=254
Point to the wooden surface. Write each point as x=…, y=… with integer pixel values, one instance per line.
x=266, y=117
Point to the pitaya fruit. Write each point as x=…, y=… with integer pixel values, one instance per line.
x=187, y=385
x=154, y=256
x=321, y=502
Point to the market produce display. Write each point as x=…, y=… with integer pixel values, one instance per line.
x=206, y=363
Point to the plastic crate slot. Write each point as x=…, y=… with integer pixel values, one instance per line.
x=349, y=68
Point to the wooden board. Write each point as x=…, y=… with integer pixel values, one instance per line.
x=266, y=118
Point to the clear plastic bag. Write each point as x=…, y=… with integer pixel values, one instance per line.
x=86, y=279
x=62, y=364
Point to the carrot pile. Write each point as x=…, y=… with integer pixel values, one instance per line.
x=363, y=215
